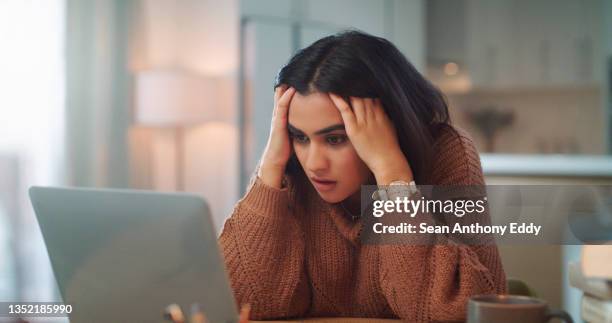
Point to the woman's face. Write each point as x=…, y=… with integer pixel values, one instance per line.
x=323, y=149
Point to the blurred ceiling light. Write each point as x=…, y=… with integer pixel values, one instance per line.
x=451, y=68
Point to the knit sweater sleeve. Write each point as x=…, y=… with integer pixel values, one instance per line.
x=263, y=249
x=425, y=283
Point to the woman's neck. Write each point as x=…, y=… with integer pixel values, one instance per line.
x=352, y=204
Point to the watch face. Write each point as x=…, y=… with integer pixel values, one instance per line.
x=399, y=191
x=411, y=186
x=380, y=194
x=395, y=188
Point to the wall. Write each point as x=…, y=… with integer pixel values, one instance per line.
x=546, y=121
x=200, y=36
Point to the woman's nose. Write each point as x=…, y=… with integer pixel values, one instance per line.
x=317, y=160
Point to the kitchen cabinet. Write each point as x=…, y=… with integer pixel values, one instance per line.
x=490, y=42
x=516, y=44
x=559, y=42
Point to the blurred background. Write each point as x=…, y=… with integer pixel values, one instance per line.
x=177, y=96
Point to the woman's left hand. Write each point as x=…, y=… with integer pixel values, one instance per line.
x=374, y=138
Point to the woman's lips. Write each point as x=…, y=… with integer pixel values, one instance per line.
x=323, y=185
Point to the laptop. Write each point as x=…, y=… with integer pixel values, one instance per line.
x=125, y=255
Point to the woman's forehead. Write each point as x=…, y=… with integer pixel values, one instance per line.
x=313, y=112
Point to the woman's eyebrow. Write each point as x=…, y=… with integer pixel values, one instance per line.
x=323, y=131
x=293, y=129
x=339, y=126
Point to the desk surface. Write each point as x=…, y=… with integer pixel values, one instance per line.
x=334, y=320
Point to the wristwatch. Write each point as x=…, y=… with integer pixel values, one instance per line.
x=395, y=189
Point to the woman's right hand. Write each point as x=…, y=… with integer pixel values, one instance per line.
x=278, y=149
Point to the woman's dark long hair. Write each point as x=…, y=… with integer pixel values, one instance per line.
x=353, y=63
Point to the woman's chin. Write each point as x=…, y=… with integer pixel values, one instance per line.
x=332, y=198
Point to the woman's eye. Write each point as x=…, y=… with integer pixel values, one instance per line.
x=300, y=138
x=336, y=140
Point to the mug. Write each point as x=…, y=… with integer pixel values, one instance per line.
x=511, y=308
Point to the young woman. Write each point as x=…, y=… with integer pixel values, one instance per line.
x=351, y=110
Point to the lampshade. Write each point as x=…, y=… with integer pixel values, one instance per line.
x=172, y=97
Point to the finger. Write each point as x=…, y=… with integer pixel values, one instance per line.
x=379, y=110
x=369, y=109
x=244, y=313
x=282, y=107
x=278, y=92
x=345, y=110
x=284, y=100
x=359, y=109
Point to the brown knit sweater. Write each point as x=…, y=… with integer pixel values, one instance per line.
x=289, y=263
